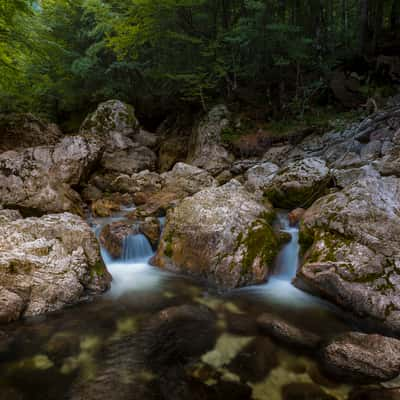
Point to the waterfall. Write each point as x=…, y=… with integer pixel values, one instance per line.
x=287, y=261
x=136, y=248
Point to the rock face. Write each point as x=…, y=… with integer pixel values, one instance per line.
x=221, y=234
x=38, y=180
x=351, y=241
x=47, y=263
x=19, y=131
x=205, y=149
x=298, y=184
x=260, y=176
x=362, y=357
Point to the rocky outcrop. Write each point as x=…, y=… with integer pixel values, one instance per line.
x=205, y=148
x=47, y=263
x=350, y=241
x=20, y=131
x=357, y=356
x=220, y=234
x=39, y=180
x=298, y=184
x=260, y=176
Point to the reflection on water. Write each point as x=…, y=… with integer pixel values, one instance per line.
x=157, y=335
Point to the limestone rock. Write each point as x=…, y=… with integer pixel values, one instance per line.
x=39, y=179
x=205, y=148
x=351, y=245
x=47, y=263
x=298, y=184
x=221, y=234
x=364, y=357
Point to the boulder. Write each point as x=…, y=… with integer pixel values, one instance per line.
x=47, y=263
x=104, y=207
x=133, y=159
x=20, y=131
x=298, y=184
x=172, y=149
x=260, y=176
x=350, y=241
x=205, y=148
x=346, y=177
x=39, y=180
x=287, y=333
x=221, y=234
x=358, y=356
x=111, y=119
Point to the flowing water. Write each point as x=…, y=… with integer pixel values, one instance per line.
x=118, y=346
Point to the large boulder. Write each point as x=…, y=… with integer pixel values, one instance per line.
x=47, y=263
x=19, y=131
x=358, y=356
x=260, y=176
x=112, y=119
x=222, y=234
x=126, y=149
x=39, y=180
x=205, y=148
x=351, y=241
x=298, y=184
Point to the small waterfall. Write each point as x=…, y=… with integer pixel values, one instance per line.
x=287, y=261
x=136, y=248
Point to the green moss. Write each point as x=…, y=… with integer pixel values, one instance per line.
x=98, y=269
x=259, y=241
x=168, y=245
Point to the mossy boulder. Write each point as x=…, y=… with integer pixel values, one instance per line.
x=350, y=244
x=221, y=234
x=110, y=117
x=298, y=184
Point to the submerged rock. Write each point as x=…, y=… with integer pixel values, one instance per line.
x=39, y=180
x=351, y=240
x=220, y=234
x=358, y=356
x=298, y=184
x=304, y=391
x=47, y=263
x=287, y=333
x=205, y=147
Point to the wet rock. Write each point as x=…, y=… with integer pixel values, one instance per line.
x=20, y=131
x=151, y=228
x=298, y=184
x=255, y=361
x=374, y=394
x=304, y=391
x=220, y=234
x=362, y=357
x=350, y=240
x=40, y=179
x=287, y=333
x=205, y=148
x=295, y=216
x=112, y=236
x=48, y=263
x=179, y=333
x=241, y=324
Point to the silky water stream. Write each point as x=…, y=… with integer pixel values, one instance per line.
x=120, y=346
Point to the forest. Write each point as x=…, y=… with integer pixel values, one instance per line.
x=280, y=58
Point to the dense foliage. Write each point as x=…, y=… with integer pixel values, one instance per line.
x=59, y=57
